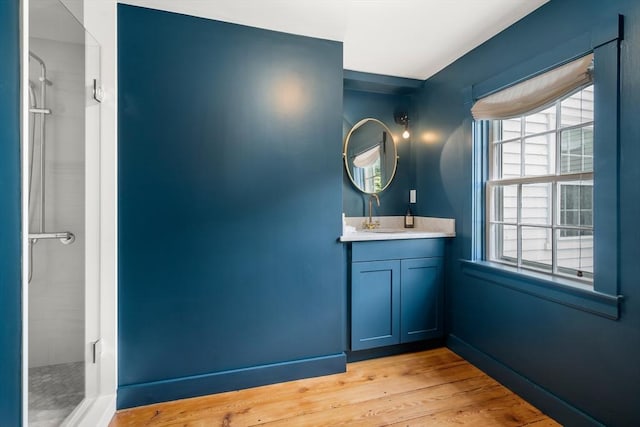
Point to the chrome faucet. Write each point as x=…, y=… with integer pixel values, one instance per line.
x=370, y=224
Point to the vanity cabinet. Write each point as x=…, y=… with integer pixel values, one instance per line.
x=396, y=291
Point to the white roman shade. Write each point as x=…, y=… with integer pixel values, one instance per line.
x=368, y=157
x=536, y=92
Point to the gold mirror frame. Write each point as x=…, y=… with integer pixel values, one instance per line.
x=348, y=166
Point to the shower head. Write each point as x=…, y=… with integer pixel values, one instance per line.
x=43, y=69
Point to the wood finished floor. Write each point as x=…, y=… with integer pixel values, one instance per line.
x=429, y=388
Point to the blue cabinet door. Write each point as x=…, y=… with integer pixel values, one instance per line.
x=375, y=304
x=421, y=299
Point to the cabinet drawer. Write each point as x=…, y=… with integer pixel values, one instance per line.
x=396, y=249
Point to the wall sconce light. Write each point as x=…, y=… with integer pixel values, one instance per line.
x=402, y=118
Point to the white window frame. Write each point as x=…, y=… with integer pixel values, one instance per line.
x=553, y=179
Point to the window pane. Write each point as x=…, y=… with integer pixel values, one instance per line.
x=578, y=108
x=507, y=160
x=541, y=121
x=539, y=155
x=575, y=253
x=502, y=130
x=536, y=204
x=505, y=204
x=575, y=205
x=536, y=248
x=576, y=150
x=504, y=243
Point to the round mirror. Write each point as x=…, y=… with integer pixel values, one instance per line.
x=370, y=156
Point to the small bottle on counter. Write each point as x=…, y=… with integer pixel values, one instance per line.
x=408, y=218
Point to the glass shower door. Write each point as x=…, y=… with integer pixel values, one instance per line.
x=61, y=149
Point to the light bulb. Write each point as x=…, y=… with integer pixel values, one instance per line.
x=406, y=134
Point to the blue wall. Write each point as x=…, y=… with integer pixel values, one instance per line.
x=230, y=199
x=363, y=104
x=10, y=291
x=588, y=362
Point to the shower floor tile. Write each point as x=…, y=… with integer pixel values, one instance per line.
x=54, y=391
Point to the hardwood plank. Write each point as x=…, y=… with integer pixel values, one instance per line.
x=434, y=387
x=507, y=410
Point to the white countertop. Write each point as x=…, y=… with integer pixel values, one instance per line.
x=392, y=228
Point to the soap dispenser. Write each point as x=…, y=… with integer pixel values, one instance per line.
x=409, y=220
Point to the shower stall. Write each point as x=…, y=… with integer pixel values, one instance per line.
x=62, y=131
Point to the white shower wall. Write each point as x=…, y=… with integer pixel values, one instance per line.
x=56, y=291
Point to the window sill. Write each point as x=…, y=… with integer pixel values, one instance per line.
x=559, y=290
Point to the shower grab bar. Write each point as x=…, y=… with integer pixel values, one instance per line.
x=40, y=110
x=65, y=237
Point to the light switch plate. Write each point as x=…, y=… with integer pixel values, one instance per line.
x=412, y=196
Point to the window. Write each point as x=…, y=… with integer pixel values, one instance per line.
x=367, y=169
x=545, y=195
x=540, y=188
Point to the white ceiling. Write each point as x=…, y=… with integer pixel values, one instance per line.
x=405, y=38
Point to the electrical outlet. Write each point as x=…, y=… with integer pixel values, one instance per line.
x=412, y=196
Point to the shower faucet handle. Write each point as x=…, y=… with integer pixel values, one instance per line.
x=65, y=237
